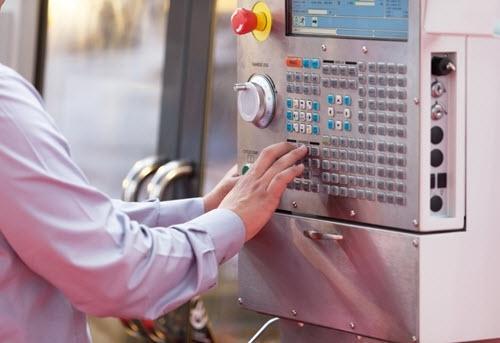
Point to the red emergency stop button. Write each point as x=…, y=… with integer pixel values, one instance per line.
x=243, y=21
x=258, y=21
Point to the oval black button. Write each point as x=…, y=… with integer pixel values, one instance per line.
x=436, y=203
x=437, y=158
x=437, y=135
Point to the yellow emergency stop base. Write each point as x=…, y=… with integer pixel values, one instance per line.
x=264, y=21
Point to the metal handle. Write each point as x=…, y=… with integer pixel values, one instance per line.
x=166, y=175
x=141, y=170
x=319, y=236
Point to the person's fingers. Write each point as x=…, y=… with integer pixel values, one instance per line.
x=280, y=181
x=284, y=162
x=233, y=172
x=268, y=156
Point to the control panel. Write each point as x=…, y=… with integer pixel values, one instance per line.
x=343, y=78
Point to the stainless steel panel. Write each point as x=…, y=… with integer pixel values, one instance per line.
x=269, y=58
x=295, y=332
x=369, y=278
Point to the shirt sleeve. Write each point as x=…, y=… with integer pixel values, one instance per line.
x=164, y=213
x=80, y=241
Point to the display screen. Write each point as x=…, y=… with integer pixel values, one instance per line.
x=364, y=19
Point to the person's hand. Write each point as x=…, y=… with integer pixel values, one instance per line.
x=212, y=200
x=257, y=194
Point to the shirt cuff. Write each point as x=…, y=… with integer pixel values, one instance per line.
x=179, y=211
x=227, y=231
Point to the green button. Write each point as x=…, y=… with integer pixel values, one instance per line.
x=245, y=168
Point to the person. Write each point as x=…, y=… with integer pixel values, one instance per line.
x=67, y=250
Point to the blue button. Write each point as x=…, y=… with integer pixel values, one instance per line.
x=289, y=115
x=289, y=127
x=315, y=63
x=347, y=100
x=306, y=63
x=331, y=124
x=315, y=117
x=315, y=130
x=316, y=105
x=331, y=99
x=289, y=103
x=347, y=126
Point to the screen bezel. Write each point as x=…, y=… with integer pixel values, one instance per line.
x=289, y=28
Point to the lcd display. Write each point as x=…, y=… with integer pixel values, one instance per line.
x=364, y=19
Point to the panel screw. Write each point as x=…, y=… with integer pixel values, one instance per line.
x=300, y=324
x=323, y=47
x=364, y=49
x=240, y=301
x=416, y=101
x=415, y=222
x=294, y=204
x=414, y=338
x=352, y=326
x=415, y=243
x=352, y=213
x=359, y=338
x=294, y=313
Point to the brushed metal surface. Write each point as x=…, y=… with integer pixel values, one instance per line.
x=293, y=332
x=369, y=278
x=268, y=58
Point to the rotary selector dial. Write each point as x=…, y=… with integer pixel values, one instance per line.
x=257, y=100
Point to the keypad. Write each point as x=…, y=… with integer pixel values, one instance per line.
x=358, y=114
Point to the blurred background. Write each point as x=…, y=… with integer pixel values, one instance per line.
x=128, y=79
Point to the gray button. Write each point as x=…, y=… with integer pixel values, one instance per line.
x=361, y=169
x=402, y=69
x=382, y=80
x=335, y=141
x=402, y=95
x=352, y=71
x=392, y=93
x=334, y=69
x=362, y=66
x=370, y=182
x=308, y=163
x=316, y=90
x=297, y=184
x=306, y=174
x=370, y=196
x=381, y=185
x=402, y=119
x=314, y=151
x=361, y=143
x=343, y=167
x=390, y=186
x=325, y=165
x=391, y=118
x=402, y=107
x=370, y=158
x=343, y=70
x=381, y=93
x=370, y=145
x=392, y=106
x=297, y=89
x=381, y=105
x=372, y=117
x=361, y=156
x=298, y=77
x=325, y=177
x=334, y=178
x=315, y=164
x=352, y=181
x=401, y=174
x=360, y=194
x=381, y=197
x=315, y=78
x=361, y=181
x=401, y=187
x=372, y=80
x=326, y=69
x=391, y=81
x=361, y=128
x=401, y=149
x=372, y=105
x=290, y=76
x=381, y=172
x=334, y=83
x=381, y=130
x=391, y=173
x=352, y=168
x=381, y=146
x=391, y=160
x=402, y=82
x=382, y=67
x=343, y=83
x=306, y=186
x=391, y=68
x=381, y=117
x=325, y=153
x=391, y=131
x=361, y=116
x=307, y=78
x=401, y=132
x=390, y=198
x=335, y=165
x=352, y=155
x=334, y=190
x=362, y=91
x=372, y=92
x=343, y=142
x=325, y=82
x=307, y=90
x=372, y=67
x=391, y=147
x=334, y=153
x=353, y=143
x=362, y=79
x=343, y=192
x=325, y=140
x=315, y=188
x=381, y=159
x=402, y=162
x=400, y=200
x=289, y=88
x=351, y=192
x=362, y=104
x=372, y=130
x=344, y=180
x=353, y=84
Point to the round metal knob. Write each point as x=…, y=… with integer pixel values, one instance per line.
x=438, y=111
x=257, y=100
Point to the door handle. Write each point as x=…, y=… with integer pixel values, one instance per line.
x=319, y=236
x=142, y=169
x=166, y=175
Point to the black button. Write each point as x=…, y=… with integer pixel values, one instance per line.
x=436, y=158
x=437, y=135
x=442, y=180
x=436, y=203
x=433, y=181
